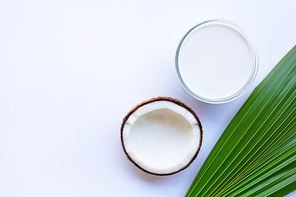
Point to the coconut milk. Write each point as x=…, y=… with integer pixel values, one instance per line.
x=215, y=61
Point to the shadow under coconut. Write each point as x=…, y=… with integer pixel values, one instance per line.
x=143, y=175
x=167, y=180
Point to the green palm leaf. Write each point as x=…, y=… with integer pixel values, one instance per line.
x=256, y=154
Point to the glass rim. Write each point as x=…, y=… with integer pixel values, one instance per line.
x=255, y=64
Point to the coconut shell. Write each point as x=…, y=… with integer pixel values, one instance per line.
x=176, y=101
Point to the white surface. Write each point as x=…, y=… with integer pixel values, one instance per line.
x=215, y=61
x=161, y=137
x=71, y=70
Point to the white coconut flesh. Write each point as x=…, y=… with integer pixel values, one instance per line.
x=161, y=137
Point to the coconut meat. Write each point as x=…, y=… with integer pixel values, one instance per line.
x=161, y=137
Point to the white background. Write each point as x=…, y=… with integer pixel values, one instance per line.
x=70, y=70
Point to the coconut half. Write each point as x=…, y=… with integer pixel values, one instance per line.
x=161, y=136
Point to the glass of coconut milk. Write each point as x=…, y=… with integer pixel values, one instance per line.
x=216, y=61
